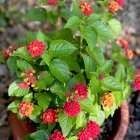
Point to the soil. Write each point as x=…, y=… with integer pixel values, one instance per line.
x=15, y=28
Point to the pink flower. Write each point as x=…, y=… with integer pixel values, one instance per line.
x=49, y=116
x=86, y=9
x=57, y=136
x=93, y=128
x=80, y=90
x=120, y=2
x=84, y=135
x=72, y=108
x=137, y=83
x=23, y=85
x=52, y=2
x=36, y=48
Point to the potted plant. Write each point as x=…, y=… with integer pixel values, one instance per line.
x=71, y=79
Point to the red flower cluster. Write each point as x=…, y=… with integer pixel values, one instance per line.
x=23, y=85
x=124, y=43
x=137, y=82
x=8, y=52
x=36, y=48
x=26, y=108
x=72, y=108
x=52, y=2
x=120, y=2
x=49, y=116
x=86, y=9
x=108, y=100
x=92, y=131
x=80, y=90
x=113, y=6
x=57, y=136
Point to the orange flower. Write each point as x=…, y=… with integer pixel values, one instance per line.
x=108, y=100
x=129, y=54
x=113, y=6
x=124, y=43
x=26, y=108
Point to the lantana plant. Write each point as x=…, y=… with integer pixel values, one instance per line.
x=71, y=78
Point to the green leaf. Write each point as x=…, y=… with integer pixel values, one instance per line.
x=73, y=22
x=120, y=73
x=45, y=81
x=14, y=90
x=60, y=70
x=14, y=106
x=89, y=35
x=110, y=83
x=72, y=138
x=28, y=97
x=37, y=14
x=93, y=18
x=42, y=37
x=43, y=100
x=131, y=73
x=89, y=65
x=127, y=91
x=118, y=97
x=106, y=67
x=87, y=105
x=52, y=17
x=11, y=62
x=115, y=26
x=66, y=122
x=60, y=48
x=96, y=54
x=103, y=31
x=23, y=65
x=95, y=84
x=46, y=57
x=22, y=53
x=40, y=135
x=59, y=90
x=80, y=120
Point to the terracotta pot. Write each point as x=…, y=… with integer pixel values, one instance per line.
x=22, y=127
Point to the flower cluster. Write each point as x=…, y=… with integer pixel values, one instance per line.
x=57, y=135
x=80, y=90
x=36, y=48
x=92, y=131
x=128, y=52
x=8, y=52
x=108, y=100
x=52, y=2
x=120, y=2
x=137, y=80
x=49, y=116
x=72, y=108
x=86, y=9
x=26, y=108
x=29, y=79
x=113, y=7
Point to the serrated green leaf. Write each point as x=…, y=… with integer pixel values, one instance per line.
x=14, y=90
x=110, y=83
x=2, y=60
x=37, y=14
x=60, y=70
x=28, y=97
x=11, y=63
x=106, y=67
x=87, y=105
x=72, y=138
x=80, y=120
x=44, y=81
x=66, y=122
x=23, y=65
x=14, y=106
x=40, y=135
x=115, y=26
x=60, y=48
x=43, y=100
x=42, y=37
x=22, y=53
x=73, y=22
x=118, y=97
